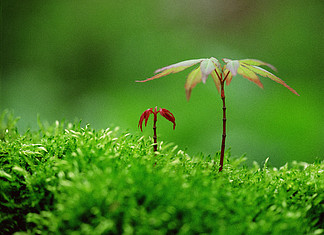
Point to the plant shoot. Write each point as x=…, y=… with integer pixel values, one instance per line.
x=164, y=113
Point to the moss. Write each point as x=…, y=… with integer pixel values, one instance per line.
x=65, y=178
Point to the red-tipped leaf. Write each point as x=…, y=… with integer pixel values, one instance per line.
x=229, y=76
x=216, y=79
x=174, y=68
x=193, y=79
x=265, y=73
x=257, y=63
x=250, y=75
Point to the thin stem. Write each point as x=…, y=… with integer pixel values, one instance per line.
x=219, y=77
x=224, y=126
x=226, y=76
x=154, y=134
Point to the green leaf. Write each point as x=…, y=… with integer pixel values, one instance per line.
x=193, y=79
x=216, y=79
x=267, y=74
x=247, y=73
x=256, y=63
x=229, y=76
x=183, y=65
x=174, y=68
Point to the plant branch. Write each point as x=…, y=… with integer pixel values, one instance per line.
x=226, y=76
x=219, y=77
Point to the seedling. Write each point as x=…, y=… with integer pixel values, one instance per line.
x=164, y=113
x=248, y=68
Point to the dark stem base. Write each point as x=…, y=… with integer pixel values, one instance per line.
x=221, y=163
x=154, y=134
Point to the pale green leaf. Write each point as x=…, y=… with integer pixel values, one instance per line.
x=174, y=68
x=232, y=65
x=183, y=65
x=216, y=80
x=267, y=74
x=206, y=67
x=229, y=76
x=193, y=79
x=216, y=62
x=247, y=73
x=257, y=63
x=164, y=73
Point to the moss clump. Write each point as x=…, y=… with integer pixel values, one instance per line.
x=70, y=179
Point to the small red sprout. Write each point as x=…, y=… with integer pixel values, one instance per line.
x=164, y=113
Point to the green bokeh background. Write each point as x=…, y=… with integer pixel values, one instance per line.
x=80, y=59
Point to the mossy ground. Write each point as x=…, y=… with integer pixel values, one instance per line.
x=69, y=179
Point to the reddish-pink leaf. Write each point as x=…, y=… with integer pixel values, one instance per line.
x=145, y=115
x=168, y=115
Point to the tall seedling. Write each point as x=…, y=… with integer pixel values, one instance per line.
x=248, y=68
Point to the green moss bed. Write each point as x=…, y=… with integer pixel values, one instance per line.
x=69, y=179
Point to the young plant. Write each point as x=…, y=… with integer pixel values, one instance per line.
x=164, y=113
x=248, y=68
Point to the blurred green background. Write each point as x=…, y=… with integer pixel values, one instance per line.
x=80, y=59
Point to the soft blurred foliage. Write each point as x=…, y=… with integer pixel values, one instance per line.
x=80, y=59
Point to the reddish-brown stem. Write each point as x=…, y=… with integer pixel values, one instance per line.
x=224, y=128
x=219, y=77
x=154, y=134
x=221, y=163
